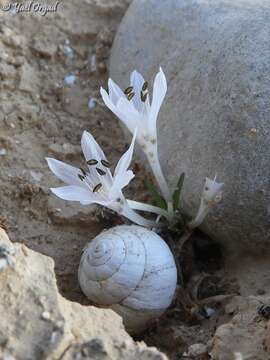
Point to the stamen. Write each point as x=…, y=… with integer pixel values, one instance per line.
x=92, y=162
x=81, y=177
x=143, y=96
x=83, y=171
x=97, y=187
x=145, y=86
x=100, y=171
x=105, y=163
x=130, y=96
x=128, y=90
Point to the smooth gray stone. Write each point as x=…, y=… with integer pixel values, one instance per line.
x=216, y=115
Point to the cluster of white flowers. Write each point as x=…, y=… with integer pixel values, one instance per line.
x=96, y=184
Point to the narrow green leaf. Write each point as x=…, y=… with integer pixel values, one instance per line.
x=157, y=198
x=177, y=192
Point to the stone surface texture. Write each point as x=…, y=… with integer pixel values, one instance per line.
x=215, y=118
x=38, y=323
x=247, y=333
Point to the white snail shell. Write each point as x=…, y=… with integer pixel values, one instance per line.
x=132, y=270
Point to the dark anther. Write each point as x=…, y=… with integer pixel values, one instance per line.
x=143, y=96
x=145, y=86
x=97, y=187
x=92, y=162
x=130, y=96
x=83, y=171
x=128, y=90
x=81, y=177
x=105, y=163
x=100, y=171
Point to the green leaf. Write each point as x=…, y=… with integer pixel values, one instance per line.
x=157, y=198
x=177, y=192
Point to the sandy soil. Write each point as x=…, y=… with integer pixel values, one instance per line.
x=43, y=116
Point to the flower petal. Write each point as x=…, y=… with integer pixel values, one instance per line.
x=211, y=189
x=119, y=183
x=125, y=159
x=73, y=193
x=137, y=81
x=76, y=193
x=124, y=110
x=65, y=172
x=122, y=176
x=128, y=114
x=90, y=148
x=159, y=92
x=115, y=93
x=108, y=102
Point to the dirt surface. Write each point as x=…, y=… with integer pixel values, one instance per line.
x=43, y=113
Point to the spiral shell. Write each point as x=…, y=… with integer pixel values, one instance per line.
x=132, y=270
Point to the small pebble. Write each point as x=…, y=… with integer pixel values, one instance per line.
x=46, y=315
x=70, y=79
x=210, y=312
x=253, y=130
x=37, y=176
x=93, y=63
x=92, y=103
x=67, y=50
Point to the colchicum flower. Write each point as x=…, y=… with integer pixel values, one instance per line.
x=97, y=184
x=211, y=195
x=132, y=106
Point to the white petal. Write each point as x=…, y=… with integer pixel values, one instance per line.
x=159, y=92
x=76, y=193
x=122, y=176
x=115, y=93
x=65, y=172
x=119, y=183
x=108, y=102
x=137, y=81
x=129, y=116
x=125, y=159
x=73, y=193
x=90, y=148
x=211, y=189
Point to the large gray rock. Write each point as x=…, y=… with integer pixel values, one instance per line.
x=216, y=115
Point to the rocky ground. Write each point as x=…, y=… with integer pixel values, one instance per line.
x=51, y=69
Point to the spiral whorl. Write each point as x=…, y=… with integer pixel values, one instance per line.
x=104, y=271
x=104, y=256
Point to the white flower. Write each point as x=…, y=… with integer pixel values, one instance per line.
x=212, y=192
x=134, y=109
x=211, y=195
x=97, y=184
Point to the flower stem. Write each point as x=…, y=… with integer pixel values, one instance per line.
x=136, y=205
x=201, y=214
x=136, y=218
x=153, y=159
